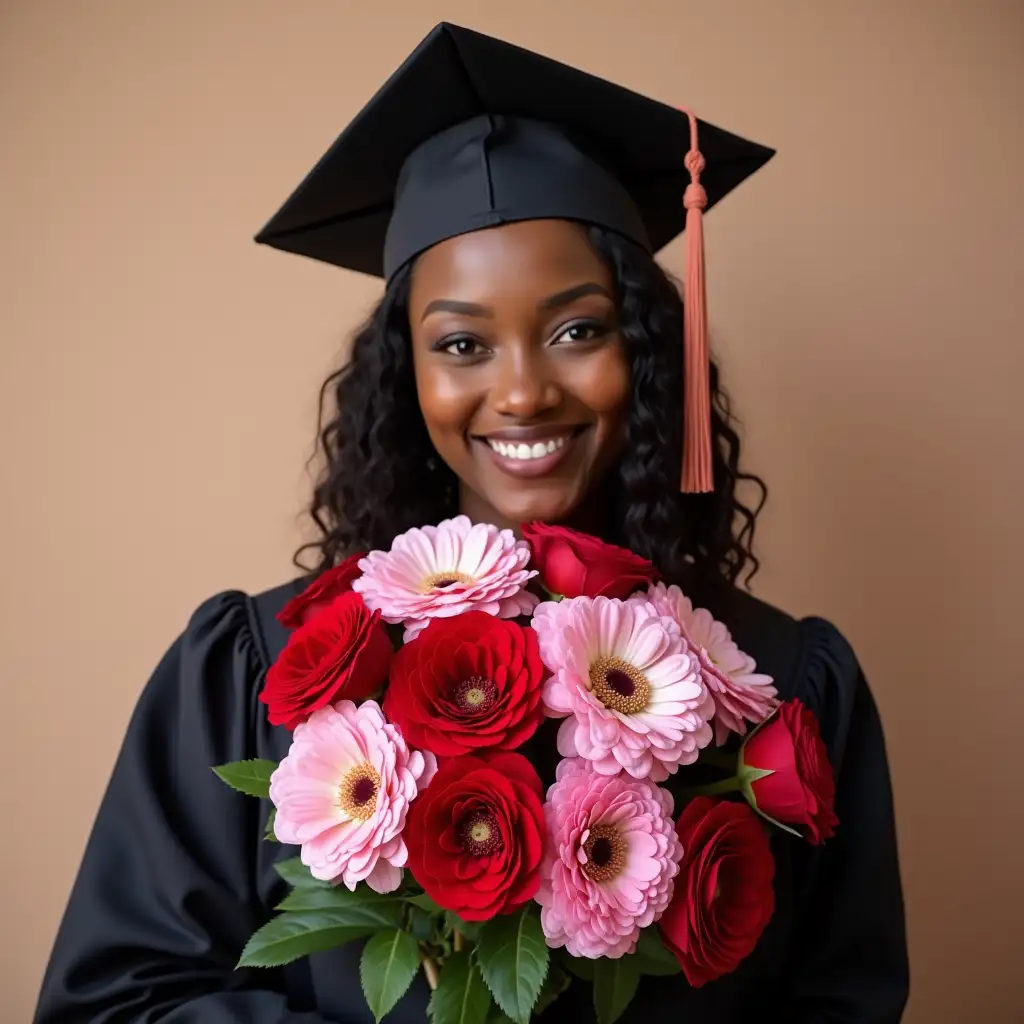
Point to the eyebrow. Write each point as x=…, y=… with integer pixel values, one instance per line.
x=555, y=301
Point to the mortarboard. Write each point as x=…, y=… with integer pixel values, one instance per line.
x=472, y=132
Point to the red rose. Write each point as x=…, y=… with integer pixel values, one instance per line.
x=797, y=787
x=320, y=593
x=467, y=683
x=476, y=835
x=342, y=653
x=575, y=564
x=723, y=895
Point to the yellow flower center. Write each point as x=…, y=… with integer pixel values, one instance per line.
x=444, y=580
x=480, y=834
x=605, y=849
x=619, y=686
x=357, y=794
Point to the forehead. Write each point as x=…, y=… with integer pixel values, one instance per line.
x=540, y=257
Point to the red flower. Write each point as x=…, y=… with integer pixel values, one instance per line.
x=575, y=564
x=476, y=835
x=467, y=683
x=800, y=789
x=342, y=653
x=320, y=593
x=723, y=896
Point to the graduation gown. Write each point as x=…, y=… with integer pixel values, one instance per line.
x=176, y=875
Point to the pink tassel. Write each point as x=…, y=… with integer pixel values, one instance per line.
x=698, y=477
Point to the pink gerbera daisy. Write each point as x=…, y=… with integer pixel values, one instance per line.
x=610, y=862
x=343, y=793
x=740, y=693
x=626, y=683
x=444, y=570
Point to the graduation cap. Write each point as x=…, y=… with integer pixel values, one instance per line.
x=472, y=132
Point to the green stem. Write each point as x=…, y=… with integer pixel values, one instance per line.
x=731, y=785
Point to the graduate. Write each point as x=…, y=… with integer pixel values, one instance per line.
x=529, y=362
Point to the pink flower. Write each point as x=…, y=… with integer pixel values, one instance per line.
x=611, y=859
x=738, y=690
x=444, y=570
x=343, y=793
x=625, y=679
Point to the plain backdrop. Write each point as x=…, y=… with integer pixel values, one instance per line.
x=159, y=374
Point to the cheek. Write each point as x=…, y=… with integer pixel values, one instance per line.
x=606, y=388
x=447, y=400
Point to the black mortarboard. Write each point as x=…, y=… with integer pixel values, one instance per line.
x=472, y=132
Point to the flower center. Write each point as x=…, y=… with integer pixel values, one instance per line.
x=475, y=694
x=357, y=794
x=480, y=834
x=444, y=580
x=619, y=686
x=605, y=850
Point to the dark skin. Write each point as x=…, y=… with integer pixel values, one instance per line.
x=522, y=375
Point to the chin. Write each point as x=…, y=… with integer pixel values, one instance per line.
x=526, y=507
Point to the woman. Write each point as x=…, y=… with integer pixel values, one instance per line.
x=524, y=364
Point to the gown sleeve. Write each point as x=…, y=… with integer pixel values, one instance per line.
x=850, y=954
x=166, y=896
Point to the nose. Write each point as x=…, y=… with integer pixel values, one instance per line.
x=525, y=386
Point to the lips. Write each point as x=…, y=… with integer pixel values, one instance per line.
x=529, y=451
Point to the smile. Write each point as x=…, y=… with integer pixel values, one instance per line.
x=537, y=450
x=528, y=453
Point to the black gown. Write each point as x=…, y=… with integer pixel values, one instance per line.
x=176, y=875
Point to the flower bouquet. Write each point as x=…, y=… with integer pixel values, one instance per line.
x=487, y=734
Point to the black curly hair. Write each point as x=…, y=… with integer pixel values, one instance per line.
x=381, y=475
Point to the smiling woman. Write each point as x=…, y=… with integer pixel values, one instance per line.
x=524, y=390
x=514, y=416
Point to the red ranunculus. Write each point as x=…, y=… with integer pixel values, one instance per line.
x=476, y=835
x=320, y=593
x=467, y=683
x=342, y=653
x=723, y=896
x=800, y=789
x=575, y=564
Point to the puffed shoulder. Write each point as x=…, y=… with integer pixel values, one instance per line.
x=809, y=659
x=246, y=624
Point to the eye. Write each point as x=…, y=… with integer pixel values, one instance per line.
x=462, y=346
x=582, y=330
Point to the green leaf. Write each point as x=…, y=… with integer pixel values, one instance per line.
x=296, y=874
x=292, y=935
x=340, y=898
x=461, y=997
x=389, y=963
x=554, y=985
x=513, y=959
x=579, y=966
x=249, y=777
x=652, y=956
x=268, y=832
x=615, y=984
x=424, y=902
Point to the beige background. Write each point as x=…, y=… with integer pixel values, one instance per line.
x=158, y=376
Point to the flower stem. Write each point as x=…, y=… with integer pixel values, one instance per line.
x=458, y=940
x=430, y=970
x=730, y=785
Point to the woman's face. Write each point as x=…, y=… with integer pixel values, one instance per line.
x=522, y=375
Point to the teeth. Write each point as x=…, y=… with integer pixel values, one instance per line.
x=526, y=451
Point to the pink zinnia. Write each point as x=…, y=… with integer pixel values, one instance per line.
x=343, y=793
x=738, y=690
x=630, y=688
x=611, y=859
x=444, y=570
